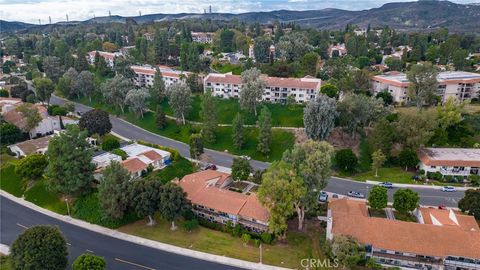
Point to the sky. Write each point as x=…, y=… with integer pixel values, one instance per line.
x=32, y=10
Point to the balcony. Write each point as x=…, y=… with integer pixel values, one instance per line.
x=455, y=172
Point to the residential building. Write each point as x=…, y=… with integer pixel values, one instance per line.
x=337, y=50
x=442, y=239
x=140, y=158
x=109, y=57
x=277, y=89
x=251, y=52
x=8, y=104
x=450, y=161
x=46, y=126
x=202, y=37
x=457, y=84
x=212, y=200
x=144, y=75
x=35, y=146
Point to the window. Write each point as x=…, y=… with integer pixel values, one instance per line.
x=433, y=167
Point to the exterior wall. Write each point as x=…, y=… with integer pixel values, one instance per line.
x=405, y=260
x=450, y=170
x=399, y=93
x=146, y=80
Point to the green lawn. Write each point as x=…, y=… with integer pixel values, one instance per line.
x=281, y=140
x=227, y=67
x=394, y=175
x=41, y=196
x=5, y=159
x=300, y=245
x=10, y=181
x=177, y=169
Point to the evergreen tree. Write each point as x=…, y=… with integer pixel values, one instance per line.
x=158, y=88
x=209, y=117
x=196, y=145
x=238, y=133
x=265, y=131
x=113, y=190
x=172, y=202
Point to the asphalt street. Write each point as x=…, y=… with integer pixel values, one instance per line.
x=119, y=254
x=430, y=197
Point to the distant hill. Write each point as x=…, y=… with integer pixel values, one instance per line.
x=405, y=16
x=13, y=26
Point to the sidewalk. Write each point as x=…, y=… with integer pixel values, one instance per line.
x=142, y=241
x=417, y=186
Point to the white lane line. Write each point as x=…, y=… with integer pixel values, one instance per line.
x=88, y=250
x=23, y=226
x=68, y=244
x=135, y=264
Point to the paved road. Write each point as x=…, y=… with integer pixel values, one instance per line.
x=336, y=185
x=119, y=254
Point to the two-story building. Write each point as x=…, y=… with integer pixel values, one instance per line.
x=441, y=239
x=109, y=57
x=277, y=89
x=212, y=200
x=144, y=75
x=450, y=161
x=457, y=84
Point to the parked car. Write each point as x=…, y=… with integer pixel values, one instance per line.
x=355, y=194
x=211, y=167
x=386, y=184
x=448, y=189
x=323, y=197
x=246, y=157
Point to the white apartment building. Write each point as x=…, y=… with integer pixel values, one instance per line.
x=202, y=37
x=450, y=161
x=109, y=57
x=457, y=84
x=277, y=89
x=144, y=75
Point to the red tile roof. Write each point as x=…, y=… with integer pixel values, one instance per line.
x=468, y=157
x=134, y=165
x=152, y=155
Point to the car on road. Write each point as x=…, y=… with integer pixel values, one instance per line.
x=448, y=189
x=211, y=167
x=323, y=197
x=246, y=157
x=386, y=184
x=356, y=194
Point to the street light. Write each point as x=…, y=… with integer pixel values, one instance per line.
x=68, y=207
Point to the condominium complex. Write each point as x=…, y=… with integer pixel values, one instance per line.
x=457, y=84
x=208, y=192
x=440, y=239
x=450, y=161
x=277, y=89
x=144, y=75
x=202, y=37
x=109, y=57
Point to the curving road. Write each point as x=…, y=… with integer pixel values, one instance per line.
x=428, y=196
x=119, y=254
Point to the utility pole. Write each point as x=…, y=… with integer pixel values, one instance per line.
x=68, y=207
x=49, y=20
x=39, y=22
x=109, y=13
x=210, y=9
x=67, y=17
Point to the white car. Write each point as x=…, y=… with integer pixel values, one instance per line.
x=448, y=189
x=323, y=197
x=246, y=157
x=355, y=194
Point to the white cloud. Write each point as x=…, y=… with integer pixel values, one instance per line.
x=32, y=10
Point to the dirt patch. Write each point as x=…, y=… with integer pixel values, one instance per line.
x=341, y=140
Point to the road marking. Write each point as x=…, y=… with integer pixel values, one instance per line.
x=68, y=244
x=88, y=250
x=23, y=226
x=135, y=264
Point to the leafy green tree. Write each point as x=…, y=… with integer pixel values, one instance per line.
x=378, y=158
x=95, y=121
x=265, y=131
x=378, y=197
x=226, y=43
x=172, y=202
x=309, y=63
x=179, y=98
x=450, y=113
x=194, y=82
x=113, y=190
x=145, y=195
x=413, y=130
x=32, y=166
x=346, y=160
x=252, y=89
x=161, y=118
x=347, y=250
x=386, y=97
x=319, y=117
x=88, y=261
x=70, y=170
x=238, y=133
x=115, y=90
x=408, y=158
x=52, y=67
x=84, y=84
x=45, y=88
x=32, y=116
x=293, y=46
x=158, y=90
x=423, y=84
x=394, y=64
x=122, y=66
x=110, y=143
x=460, y=59
x=261, y=50
x=405, y=200
x=10, y=134
x=196, y=145
x=241, y=169
x=137, y=99
x=471, y=203
x=280, y=191
x=40, y=247
x=356, y=46
x=209, y=117
x=329, y=90
x=382, y=136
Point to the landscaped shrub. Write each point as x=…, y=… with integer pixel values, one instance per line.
x=120, y=152
x=266, y=238
x=434, y=176
x=190, y=225
x=237, y=230
x=188, y=214
x=474, y=180
x=209, y=224
x=110, y=143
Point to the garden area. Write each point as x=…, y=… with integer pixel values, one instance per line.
x=281, y=139
x=299, y=245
